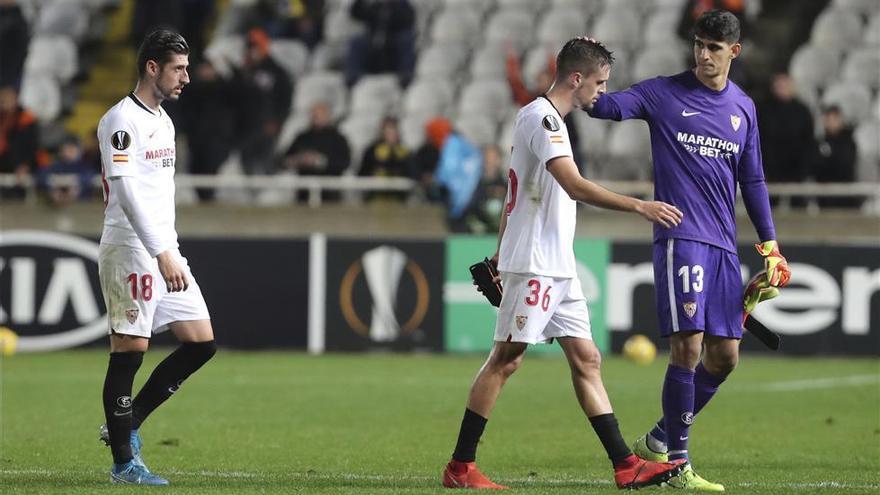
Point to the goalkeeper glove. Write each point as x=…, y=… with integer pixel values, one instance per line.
x=758, y=290
x=775, y=266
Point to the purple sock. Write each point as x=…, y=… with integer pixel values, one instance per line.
x=678, y=409
x=705, y=386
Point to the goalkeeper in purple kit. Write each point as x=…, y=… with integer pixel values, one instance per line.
x=704, y=140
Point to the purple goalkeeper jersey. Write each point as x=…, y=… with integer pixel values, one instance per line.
x=703, y=142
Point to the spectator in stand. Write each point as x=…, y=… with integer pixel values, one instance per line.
x=457, y=177
x=522, y=95
x=150, y=15
x=319, y=150
x=70, y=177
x=786, y=127
x=386, y=157
x=13, y=43
x=388, y=45
x=425, y=161
x=265, y=93
x=208, y=123
x=19, y=138
x=490, y=194
x=297, y=19
x=835, y=160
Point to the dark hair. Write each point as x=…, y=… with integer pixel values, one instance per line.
x=718, y=25
x=158, y=46
x=582, y=55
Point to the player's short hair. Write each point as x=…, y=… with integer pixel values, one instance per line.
x=159, y=46
x=582, y=55
x=718, y=25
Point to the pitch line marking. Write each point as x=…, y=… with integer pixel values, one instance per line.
x=818, y=383
x=379, y=477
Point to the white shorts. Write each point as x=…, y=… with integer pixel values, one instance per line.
x=536, y=309
x=138, y=302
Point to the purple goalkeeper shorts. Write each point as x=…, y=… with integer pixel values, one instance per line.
x=698, y=288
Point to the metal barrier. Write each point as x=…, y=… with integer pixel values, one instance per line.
x=785, y=192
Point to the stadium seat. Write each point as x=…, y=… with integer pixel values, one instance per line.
x=441, y=60
x=664, y=6
x=586, y=7
x=535, y=62
x=618, y=29
x=863, y=66
x=867, y=137
x=378, y=93
x=814, y=66
x=593, y=135
x=41, y=95
x=477, y=128
x=328, y=87
x=55, y=56
x=360, y=129
x=861, y=7
x=491, y=98
x=511, y=26
x=639, y=7
x=657, y=61
x=428, y=96
x=532, y=6
x=853, y=98
x=837, y=29
x=560, y=25
x=872, y=32
x=477, y=9
x=291, y=55
x=63, y=18
x=412, y=130
x=662, y=27
x=629, y=150
x=489, y=62
x=454, y=26
x=226, y=53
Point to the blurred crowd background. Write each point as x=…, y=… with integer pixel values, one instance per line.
x=420, y=90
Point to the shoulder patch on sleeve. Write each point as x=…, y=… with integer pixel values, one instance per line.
x=550, y=123
x=120, y=140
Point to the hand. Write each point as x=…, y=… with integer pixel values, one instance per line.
x=775, y=264
x=758, y=290
x=172, y=272
x=660, y=212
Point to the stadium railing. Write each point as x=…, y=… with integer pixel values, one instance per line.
x=315, y=186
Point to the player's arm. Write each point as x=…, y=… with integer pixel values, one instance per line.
x=578, y=188
x=633, y=103
x=757, y=202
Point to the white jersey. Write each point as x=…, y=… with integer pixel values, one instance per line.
x=539, y=237
x=137, y=142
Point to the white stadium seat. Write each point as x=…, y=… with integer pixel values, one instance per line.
x=52, y=55
x=586, y=7
x=41, y=95
x=863, y=66
x=441, y=60
x=360, y=129
x=838, y=29
x=532, y=6
x=814, y=66
x=429, y=97
x=511, y=26
x=226, y=53
x=489, y=62
x=560, y=25
x=487, y=97
x=378, y=93
x=662, y=27
x=296, y=123
x=593, y=135
x=657, y=61
x=853, y=98
x=867, y=137
x=291, y=55
x=629, y=149
x=477, y=128
x=453, y=26
x=861, y=7
x=66, y=18
x=618, y=29
x=872, y=32
x=327, y=87
x=412, y=130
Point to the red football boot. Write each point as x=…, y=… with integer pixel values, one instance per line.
x=466, y=475
x=635, y=472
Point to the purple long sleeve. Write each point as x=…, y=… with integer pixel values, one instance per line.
x=703, y=142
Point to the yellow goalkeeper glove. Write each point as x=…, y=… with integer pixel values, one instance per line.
x=758, y=290
x=775, y=266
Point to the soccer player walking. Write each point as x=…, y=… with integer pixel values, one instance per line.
x=147, y=285
x=542, y=298
x=704, y=139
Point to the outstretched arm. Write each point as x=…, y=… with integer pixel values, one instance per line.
x=566, y=173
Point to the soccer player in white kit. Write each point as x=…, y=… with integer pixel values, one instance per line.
x=542, y=298
x=147, y=285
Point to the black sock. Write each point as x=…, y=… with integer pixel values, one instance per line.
x=117, y=401
x=609, y=434
x=169, y=376
x=472, y=426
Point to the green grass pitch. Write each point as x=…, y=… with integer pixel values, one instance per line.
x=292, y=423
